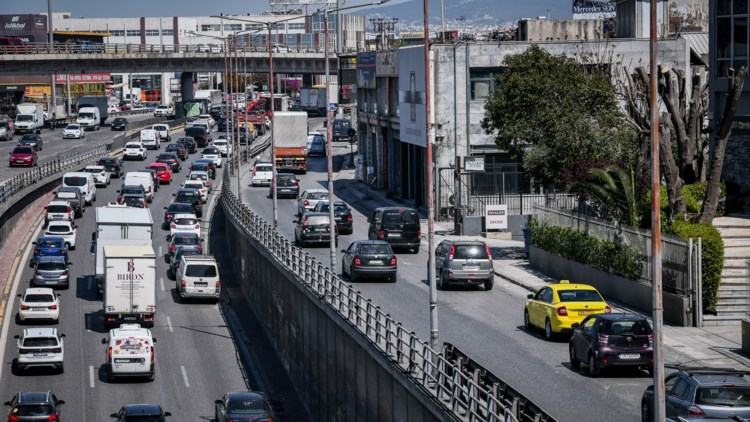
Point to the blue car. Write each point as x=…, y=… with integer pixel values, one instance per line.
x=49, y=246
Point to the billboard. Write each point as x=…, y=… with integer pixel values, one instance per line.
x=411, y=95
x=83, y=78
x=366, y=70
x=387, y=63
x=29, y=28
x=593, y=9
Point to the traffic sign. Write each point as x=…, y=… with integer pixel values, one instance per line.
x=332, y=107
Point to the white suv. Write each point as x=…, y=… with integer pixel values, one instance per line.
x=163, y=130
x=130, y=352
x=262, y=174
x=197, y=276
x=63, y=228
x=38, y=303
x=40, y=348
x=134, y=150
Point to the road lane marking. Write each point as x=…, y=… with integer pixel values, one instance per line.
x=169, y=324
x=91, y=376
x=161, y=282
x=184, y=376
x=160, y=254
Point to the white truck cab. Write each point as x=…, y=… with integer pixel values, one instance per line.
x=89, y=118
x=130, y=352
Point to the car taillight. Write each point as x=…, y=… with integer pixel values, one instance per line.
x=24, y=307
x=53, y=307
x=37, y=273
x=62, y=252
x=452, y=251
x=171, y=248
x=695, y=411
x=357, y=262
x=382, y=234
x=119, y=199
x=650, y=340
x=419, y=233
x=393, y=261
x=153, y=354
x=200, y=248
x=296, y=183
x=307, y=203
x=57, y=350
x=170, y=216
x=200, y=202
x=183, y=283
x=140, y=150
x=197, y=226
x=561, y=311
x=487, y=248
x=348, y=218
x=174, y=226
x=255, y=171
x=607, y=310
x=603, y=339
x=52, y=417
x=37, y=252
x=65, y=273
x=12, y=418
x=149, y=189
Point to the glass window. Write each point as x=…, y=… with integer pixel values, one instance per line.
x=201, y=270
x=680, y=389
x=482, y=82
x=740, y=37
x=211, y=27
x=723, y=37
x=233, y=27
x=253, y=26
x=300, y=26
x=723, y=7
x=167, y=32
x=470, y=252
x=579, y=296
x=152, y=32
x=588, y=323
x=134, y=32
x=732, y=396
x=117, y=33
x=281, y=25
x=740, y=7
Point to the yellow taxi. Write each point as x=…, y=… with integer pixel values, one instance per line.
x=557, y=307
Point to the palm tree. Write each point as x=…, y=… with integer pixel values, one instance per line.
x=613, y=191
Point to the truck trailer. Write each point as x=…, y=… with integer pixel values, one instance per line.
x=290, y=138
x=129, y=285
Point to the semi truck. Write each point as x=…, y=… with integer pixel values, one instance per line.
x=97, y=101
x=212, y=97
x=290, y=138
x=29, y=118
x=313, y=100
x=129, y=285
x=118, y=226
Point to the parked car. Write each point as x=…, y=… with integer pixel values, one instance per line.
x=612, y=340
x=23, y=156
x=178, y=149
x=51, y=271
x=113, y=165
x=119, y=123
x=74, y=131
x=187, y=239
x=342, y=214
x=398, y=226
x=100, y=173
x=33, y=140
x=465, y=261
x=73, y=196
x=62, y=228
x=38, y=304
x=34, y=406
x=40, y=347
x=287, y=185
x=314, y=227
x=262, y=174
x=141, y=413
x=173, y=209
x=705, y=392
x=171, y=159
x=369, y=259
x=309, y=198
x=163, y=172
x=243, y=405
x=133, y=151
x=190, y=196
x=49, y=246
x=190, y=145
x=556, y=307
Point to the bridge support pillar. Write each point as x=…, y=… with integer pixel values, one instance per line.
x=186, y=84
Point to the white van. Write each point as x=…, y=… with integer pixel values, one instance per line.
x=84, y=182
x=197, y=276
x=130, y=352
x=163, y=130
x=150, y=139
x=88, y=118
x=142, y=178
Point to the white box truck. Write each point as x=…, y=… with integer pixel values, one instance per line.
x=129, y=285
x=88, y=118
x=119, y=226
x=291, y=141
x=29, y=118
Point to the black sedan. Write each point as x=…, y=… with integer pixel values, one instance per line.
x=314, y=227
x=173, y=209
x=369, y=258
x=113, y=165
x=193, y=197
x=178, y=149
x=342, y=214
x=120, y=123
x=171, y=159
x=141, y=412
x=33, y=140
x=189, y=143
x=130, y=190
x=243, y=406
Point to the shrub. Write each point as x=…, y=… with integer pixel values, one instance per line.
x=605, y=255
x=712, y=257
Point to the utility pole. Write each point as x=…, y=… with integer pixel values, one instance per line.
x=53, y=108
x=329, y=141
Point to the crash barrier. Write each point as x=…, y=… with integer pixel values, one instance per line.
x=447, y=389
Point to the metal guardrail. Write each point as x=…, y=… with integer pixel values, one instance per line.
x=111, y=48
x=463, y=392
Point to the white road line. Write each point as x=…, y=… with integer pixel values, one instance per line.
x=161, y=282
x=184, y=376
x=91, y=376
x=160, y=254
x=169, y=324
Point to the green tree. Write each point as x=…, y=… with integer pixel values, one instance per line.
x=614, y=193
x=560, y=117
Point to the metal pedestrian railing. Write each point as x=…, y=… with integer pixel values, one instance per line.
x=456, y=386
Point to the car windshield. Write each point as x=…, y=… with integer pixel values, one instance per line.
x=74, y=181
x=51, y=266
x=143, y=418
x=263, y=168
x=220, y=143
x=470, y=252
x=58, y=228
x=628, y=328
x=186, y=221
x=22, y=150
x=200, y=270
x=38, y=298
x=199, y=166
x=24, y=118
x=57, y=208
x=86, y=115
x=33, y=410
x=193, y=186
x=285, y=180
x=198, y=176
x=165, y=157
x=317, y=195
x=136, y=146
x=133, y=201
x=72, y=127
x=67, y=195
x=39, y=342
x=131, y=189
x=374, y=249
x=94, y=170
x=728, y=395
x=3, y=124
x=246, y=406
x=317, y=220
x=579, y=296
x=186, y=240
x=188, y=196
x=120, y=120
x=49, y=244
x=175, y=208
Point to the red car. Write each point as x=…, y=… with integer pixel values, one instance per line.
x=163, y=172
x=23, y=156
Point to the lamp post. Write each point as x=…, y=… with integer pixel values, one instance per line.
x=329, y=116
x=53, y=111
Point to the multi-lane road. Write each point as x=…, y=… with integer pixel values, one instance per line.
x=203, y=349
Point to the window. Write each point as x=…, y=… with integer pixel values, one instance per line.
x=233, y=27
x=210, y=28
x=586, y=325
x=152, y=32
x=681, y=389
x=482, y=82
x=200, y=270
x=279, y=26
x=117, y=33
x=133, y=32
x=579, y=296
x=253, y=26
x=723, y=7
x=298, y=26
x=740, y=37
x=167, y=32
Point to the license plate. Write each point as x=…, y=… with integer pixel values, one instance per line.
x=201, y=284
x=129, y=318
x=38, y=309
x=630, y=356
x=122, y=360
x=394, y=235
x=471, y=267
x=19, y=161
x=585, y=312
x=40, y=354
x=376, y=262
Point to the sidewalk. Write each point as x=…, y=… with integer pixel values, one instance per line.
x=708, y=346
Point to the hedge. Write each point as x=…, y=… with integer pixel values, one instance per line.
x=605, y=255
x=712, y=257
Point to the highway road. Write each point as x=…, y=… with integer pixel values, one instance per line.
x=203, y=349
x=54, y=144
x=488, y=326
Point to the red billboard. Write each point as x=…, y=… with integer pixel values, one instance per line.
x=83, y=78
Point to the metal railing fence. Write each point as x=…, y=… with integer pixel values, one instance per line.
x=122, y=48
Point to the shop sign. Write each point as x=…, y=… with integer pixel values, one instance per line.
x=38, y=91
x=84, y=78
x=496, y=217
x=12, y=88
x=474, y=164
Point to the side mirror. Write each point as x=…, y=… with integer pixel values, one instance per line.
x=217, y=401
x=7, y=403
x=343, y=251
x=113, y=415
x=169, y=238
x=529, y=296
x=104, y=341
x=575, y=325
x=61, y=402
x=16, y=336
x=62, y=335
x=167, y=414
x=93, y=237
x=19, y=295
x=294, y=221
x=165, y=207
x=33, y=243
x=154, y=339
x=70, y=264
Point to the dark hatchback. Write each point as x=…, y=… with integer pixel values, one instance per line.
x=113, y=165
x=34, y=406
x=130, y=190
x=175, y=208
x=314, y=227
x=33, y=140
x=369, y=259
x=342, y=214
x=120, y=123
x=141, y=413
x=612, y=340
x=243, y=406
x=222, y=124
x=287, y=186
x=397, y=226
x=171, y=159
x=178, y=149
x=192, y=197
x=210, y=164
x=189, y=143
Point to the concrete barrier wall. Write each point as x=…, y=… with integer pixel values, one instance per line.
x=338, y=374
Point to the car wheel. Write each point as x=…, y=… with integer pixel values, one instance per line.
x=61, y=369
x=441, y=285
x=416, y=250
x=574, y=362
x=594, y=371
x=489, y=284
x=526, y=321
x=548, y=334
x=645, y=414
x=72, y=247
x=353, y=277
x=650, y=371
